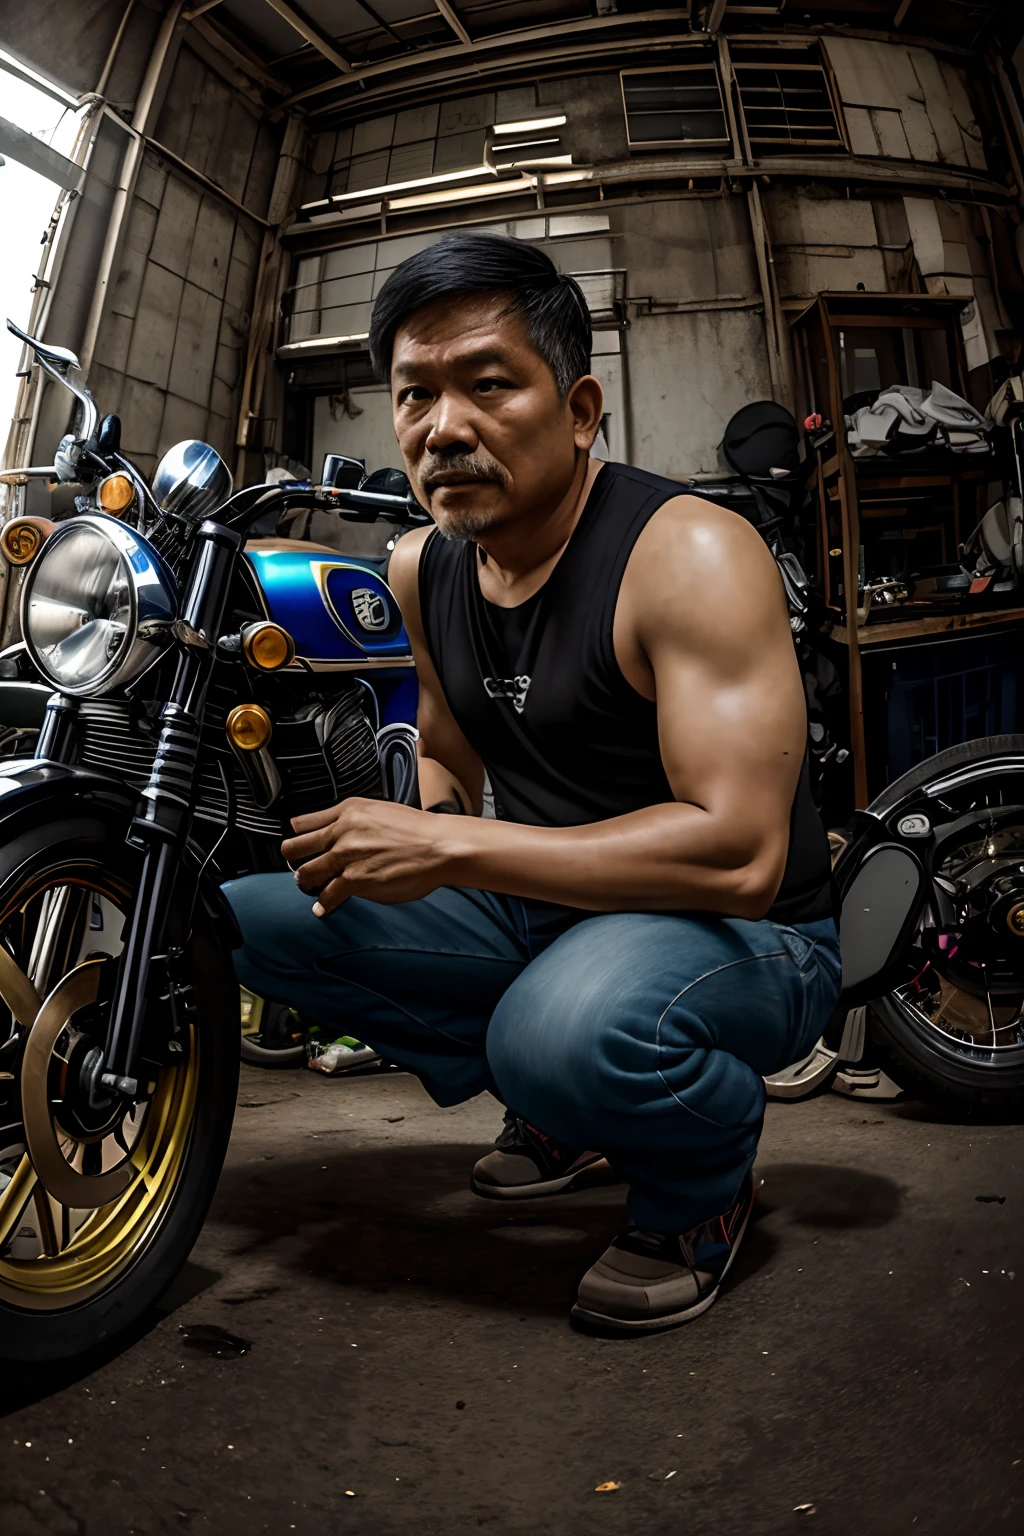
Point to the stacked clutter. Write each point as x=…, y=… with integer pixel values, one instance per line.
x=998, y=545
x=903, y=419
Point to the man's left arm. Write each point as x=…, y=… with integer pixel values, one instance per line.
x=702, y=628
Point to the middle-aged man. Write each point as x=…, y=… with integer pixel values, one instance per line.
x=646, y=928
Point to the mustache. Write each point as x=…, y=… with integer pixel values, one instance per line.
x=476, y=466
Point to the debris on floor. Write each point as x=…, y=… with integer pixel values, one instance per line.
x=338, y=1055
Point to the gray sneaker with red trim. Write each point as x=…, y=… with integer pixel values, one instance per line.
x=651, y=1280
x=526, y=1164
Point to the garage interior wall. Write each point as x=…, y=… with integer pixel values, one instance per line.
x=691, y=271
x=172, y=343
x=676, y=279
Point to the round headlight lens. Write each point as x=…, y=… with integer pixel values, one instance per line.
x=78, y=615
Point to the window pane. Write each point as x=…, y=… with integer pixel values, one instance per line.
x=671, y=106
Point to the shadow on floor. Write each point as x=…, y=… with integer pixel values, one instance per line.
x=399, y=1215
x=828, y=1195
x=23, y=1385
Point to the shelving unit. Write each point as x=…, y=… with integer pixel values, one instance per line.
x=870, y=507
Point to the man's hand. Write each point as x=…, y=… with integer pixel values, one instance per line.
x=385, y=852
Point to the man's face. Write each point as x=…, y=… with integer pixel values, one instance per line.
x=478, y=417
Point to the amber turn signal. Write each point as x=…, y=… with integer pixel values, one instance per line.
x=249, y=727
x=24, y=537
x=267, y=646
x=115, y=494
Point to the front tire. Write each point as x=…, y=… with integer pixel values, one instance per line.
x=74, y=1277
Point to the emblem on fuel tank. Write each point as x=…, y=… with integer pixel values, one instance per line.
x=370, y=609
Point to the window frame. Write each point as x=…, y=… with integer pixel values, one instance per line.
x=678, y=69
x=822, y=64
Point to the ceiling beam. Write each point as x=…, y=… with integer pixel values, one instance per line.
x=376, y=93
x=448, y=12
x=428, y=56
x=379, y=20
x=200, y=9
x=306, y=29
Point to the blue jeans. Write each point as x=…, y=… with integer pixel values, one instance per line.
x=641, y=1035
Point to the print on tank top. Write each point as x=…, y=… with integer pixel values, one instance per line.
x=506, y=646
x=514, y=688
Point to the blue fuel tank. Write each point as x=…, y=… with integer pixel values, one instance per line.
x=337, y=609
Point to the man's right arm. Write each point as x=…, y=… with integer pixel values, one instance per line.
x=449, y=769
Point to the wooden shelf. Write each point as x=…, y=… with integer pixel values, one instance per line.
x=908, y=478
x=909, y=629
x=930, y=346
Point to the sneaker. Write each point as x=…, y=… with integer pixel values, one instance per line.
x=525, y=1164
x=650, y=1280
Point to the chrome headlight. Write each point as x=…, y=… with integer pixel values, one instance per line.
x=97, y=604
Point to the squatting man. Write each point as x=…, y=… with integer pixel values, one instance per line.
x=645, y=930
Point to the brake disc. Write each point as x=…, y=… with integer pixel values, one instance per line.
x=76, y=1190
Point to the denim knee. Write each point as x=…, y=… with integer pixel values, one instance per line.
x=571, y=1044
x=642, y=1028
x=270, y=912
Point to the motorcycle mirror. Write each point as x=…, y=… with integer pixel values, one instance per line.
x=59, y=357
x=191, y=480
x=341, y=472
x=108, y=439
x=393, y=482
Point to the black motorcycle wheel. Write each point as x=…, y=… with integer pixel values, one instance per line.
x=961, y=1049
x=96, y=1219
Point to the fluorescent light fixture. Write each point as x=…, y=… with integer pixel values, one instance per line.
x=558, y=178
x=503, y=149
x=530, y=124
x=513, y=165
x=402, y=186
x=464, y=194
x=320, y=341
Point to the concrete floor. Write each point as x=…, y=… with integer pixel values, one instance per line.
x=410, y=1343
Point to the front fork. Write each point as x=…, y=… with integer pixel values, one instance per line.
x=161, y=821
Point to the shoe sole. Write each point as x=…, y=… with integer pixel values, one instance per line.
x=541, y=1190
x=604, y=1323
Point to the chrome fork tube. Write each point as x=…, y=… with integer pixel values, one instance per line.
x=162, y=820
x=57, y=737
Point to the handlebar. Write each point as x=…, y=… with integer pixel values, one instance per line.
x=245, y=507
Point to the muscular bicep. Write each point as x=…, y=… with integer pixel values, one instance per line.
x=731, y=712
x=441, y=740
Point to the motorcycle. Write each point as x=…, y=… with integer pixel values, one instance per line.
x=201, y=689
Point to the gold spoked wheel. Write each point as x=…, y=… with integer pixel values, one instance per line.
x=83, y=1185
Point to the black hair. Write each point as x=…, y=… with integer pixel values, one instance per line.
x=551, y=304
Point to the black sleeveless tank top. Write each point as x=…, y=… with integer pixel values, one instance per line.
x=538, y=693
